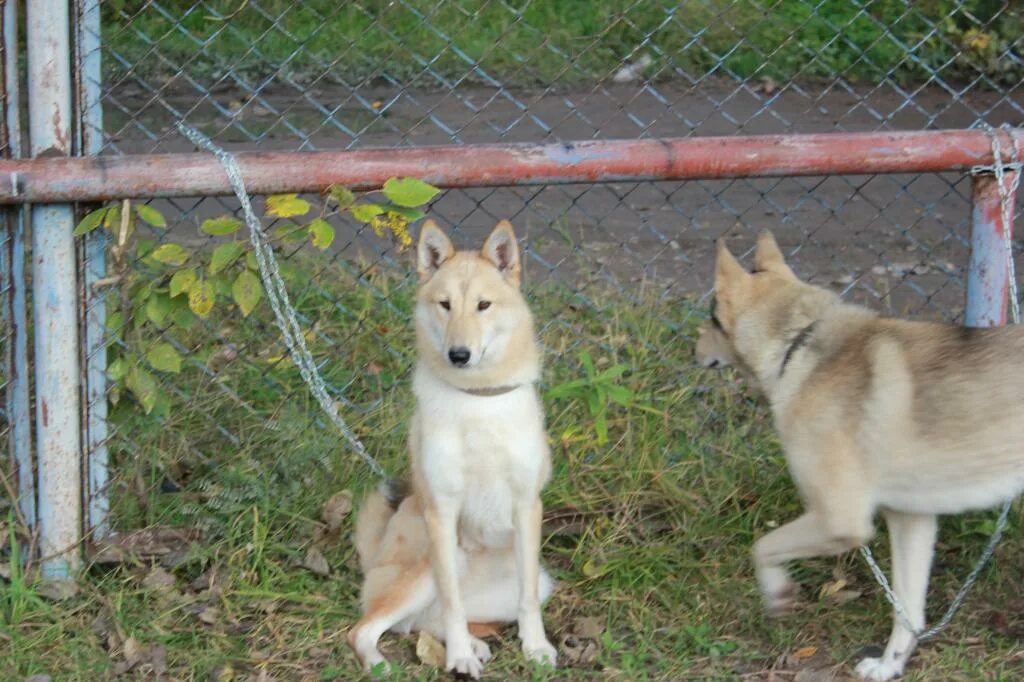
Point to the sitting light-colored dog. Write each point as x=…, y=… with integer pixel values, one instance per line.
x=911, y=419
x=463, y=544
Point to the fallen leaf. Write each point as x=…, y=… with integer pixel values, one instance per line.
x=590, y=627
x=579, y=651
x=804, y=653
x=209, y=615
x=158, y=579
x=429, y=650
x=132, y=651
x=140, y=545
x=316, y=562
x=844, y=596
x=222, y=673
x=336, y=509
x=373, y=368
x=830, y=588
x=58, y=590
x=40, y=677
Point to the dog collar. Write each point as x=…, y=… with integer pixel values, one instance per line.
x=490, y=391
x=798, y=342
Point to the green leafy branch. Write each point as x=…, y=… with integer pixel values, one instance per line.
x=171, y=286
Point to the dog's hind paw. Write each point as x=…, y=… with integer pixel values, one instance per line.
x=783, y=602
x=541, y=653
x=879, y=669
x=480, y=649
x=470, y=666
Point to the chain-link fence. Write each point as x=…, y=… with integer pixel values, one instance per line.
x=280, y=75
x=197, y=382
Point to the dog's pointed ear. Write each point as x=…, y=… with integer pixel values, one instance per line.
x=768, y=256
x=731, y=280
x=433, y=250
x=502, y=249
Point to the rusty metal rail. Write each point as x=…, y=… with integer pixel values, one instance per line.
x=48, y=180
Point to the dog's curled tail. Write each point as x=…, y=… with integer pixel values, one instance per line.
x=378, y=508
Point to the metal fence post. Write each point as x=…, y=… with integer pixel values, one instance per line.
x=88, y=94
x=988, y=279
x=15, y=311
x=54, y=297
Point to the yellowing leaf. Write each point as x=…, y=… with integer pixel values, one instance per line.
x=150, y=215
x=171, y=254
x=90, y=222
x=182, y=281
x=322, y=233
x=201, y=298
x=287, y=205
x=409, y=191
x=364, y=213
x=224, y=255
x=219, y=227
x=247, y=292
x=163, y=357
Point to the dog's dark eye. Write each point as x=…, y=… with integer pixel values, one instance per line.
x=446, y=305
x=483, y=305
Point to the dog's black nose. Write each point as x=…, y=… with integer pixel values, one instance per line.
x=459, y=356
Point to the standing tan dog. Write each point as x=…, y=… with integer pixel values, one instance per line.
x=463, y=545
x=911, y=419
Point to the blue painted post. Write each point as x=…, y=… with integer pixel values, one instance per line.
x=94, y=269
x=988, y=279
x=15, y=309
x=54, y=298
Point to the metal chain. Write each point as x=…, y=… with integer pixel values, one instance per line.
x=277, y=294
x=998, y=168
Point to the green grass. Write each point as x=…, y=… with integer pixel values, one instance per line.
x=649, y=534
x=562, y=42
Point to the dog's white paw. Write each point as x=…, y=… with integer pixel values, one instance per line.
x=463, y=661
x=879, y=669
x=782, y=602
x=541, y=652
x=480, y=649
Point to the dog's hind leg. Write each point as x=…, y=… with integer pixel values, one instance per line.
x=913, y=543
x=812, y=534
x=398, y=595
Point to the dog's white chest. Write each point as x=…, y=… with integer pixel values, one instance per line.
x=486, y=452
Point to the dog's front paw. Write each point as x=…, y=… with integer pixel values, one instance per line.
x=463, y=661
x=541, y=652
x=879, y=669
